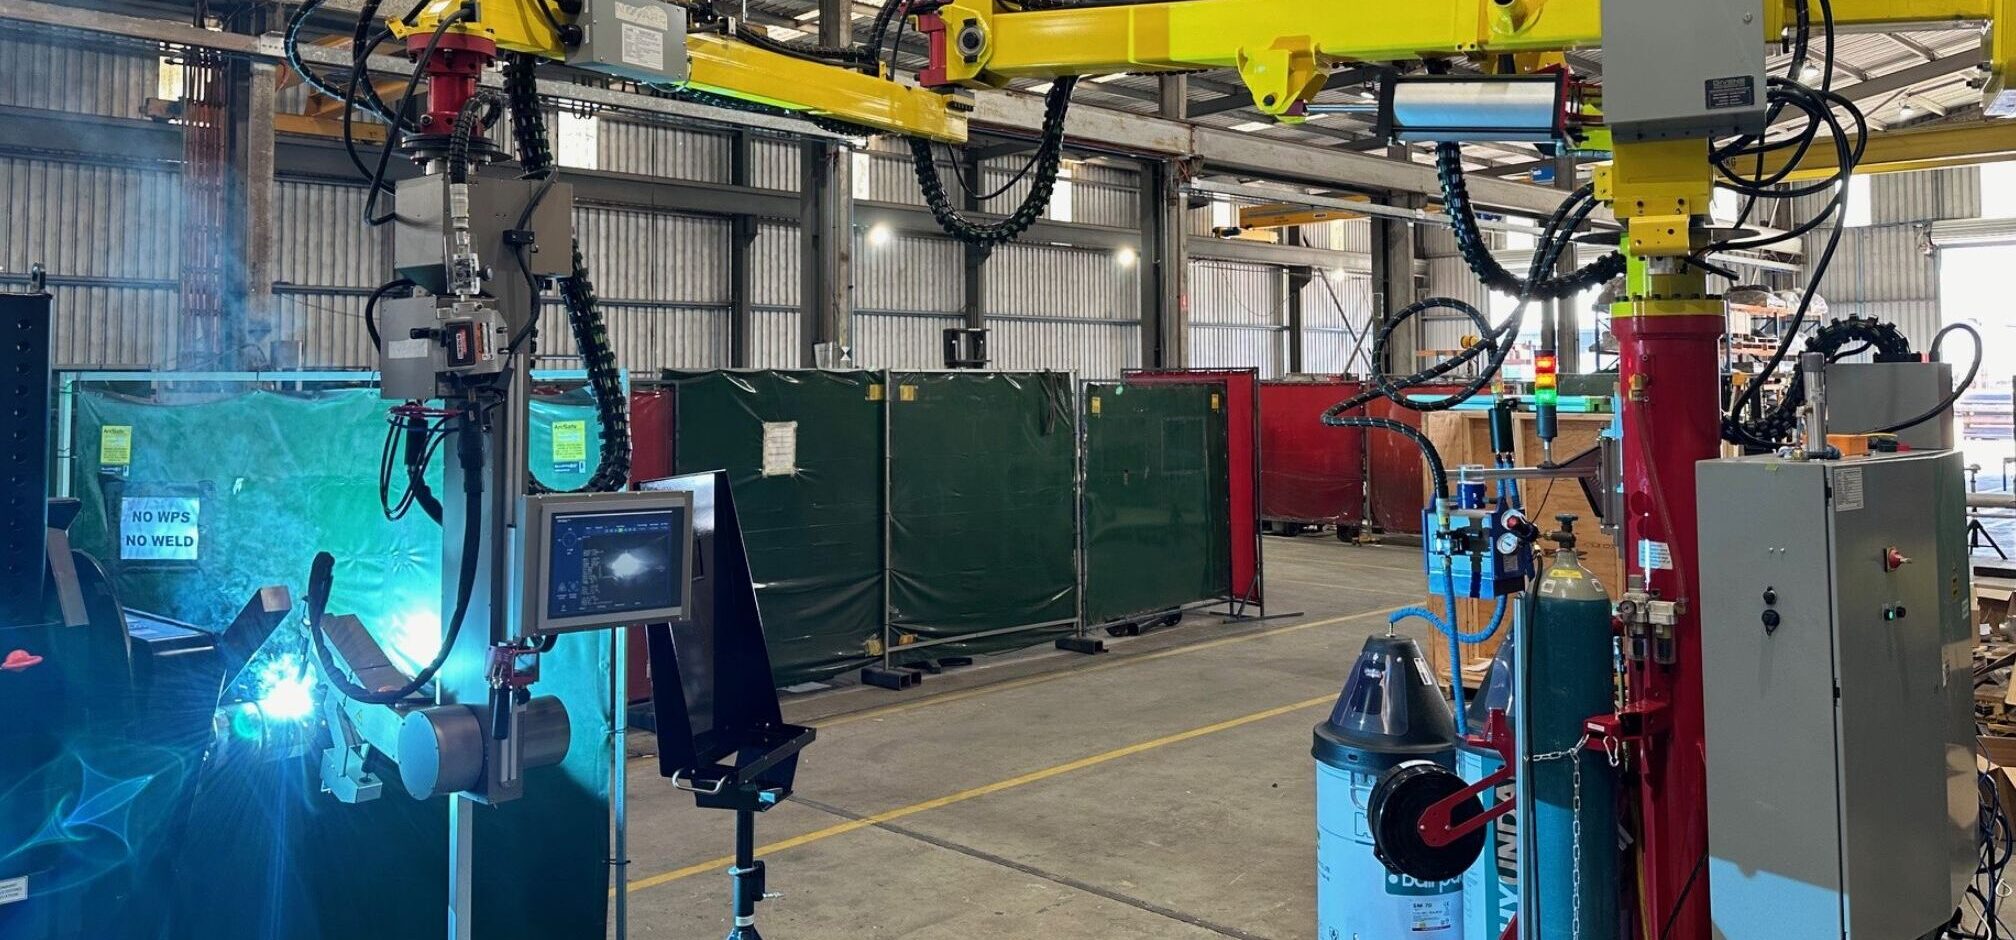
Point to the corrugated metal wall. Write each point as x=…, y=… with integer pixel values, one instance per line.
x=1887, y=269
x=87, y=78
x=110, y=237
x=1238, y=316
x=1337, y=315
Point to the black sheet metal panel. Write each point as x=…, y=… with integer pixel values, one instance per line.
x=982, y=506
x=24, y=458
x=803, y=450
x=1157, y=499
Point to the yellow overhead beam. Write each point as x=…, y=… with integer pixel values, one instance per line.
x=1284, y=214
x=727, y=67
x=1914, y=149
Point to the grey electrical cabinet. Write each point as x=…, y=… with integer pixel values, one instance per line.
x=1688, y=69
x=1836, y=649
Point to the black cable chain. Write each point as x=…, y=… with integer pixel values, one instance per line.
x=1049, y=159
x=1777, y=427
x=528, y=122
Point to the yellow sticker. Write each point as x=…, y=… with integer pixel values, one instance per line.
x=115, y=445
x=906, y=393
x=570, y=442
x=1214, y=401
x=1095, y=404
x=875, y=392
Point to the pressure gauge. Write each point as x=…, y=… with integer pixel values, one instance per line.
x=1508, y=543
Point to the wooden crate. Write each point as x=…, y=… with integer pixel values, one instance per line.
x=1464, y=437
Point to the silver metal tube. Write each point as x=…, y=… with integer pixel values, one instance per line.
x=66, y=433
x=1474, y=474
x=1814, y=366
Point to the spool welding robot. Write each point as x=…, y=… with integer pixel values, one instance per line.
x=523, y=565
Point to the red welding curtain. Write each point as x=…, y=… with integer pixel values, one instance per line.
x=1309, y=473
x=1242, y=435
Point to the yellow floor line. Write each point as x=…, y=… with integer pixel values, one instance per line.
x=719, y=864
x=1027, y=681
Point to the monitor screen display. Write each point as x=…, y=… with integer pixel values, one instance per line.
x=616, y=564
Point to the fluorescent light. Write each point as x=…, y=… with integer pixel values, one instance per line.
x=1907, y=111
x=1249, y=127
x=1042, y=89
x=786, y=33
x=1810, y=74
x=1125, y=256
x=879, y=235
x=1103, y=79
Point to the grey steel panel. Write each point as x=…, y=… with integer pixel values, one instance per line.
x=1863, y=396
x=1907, y=766
x=1772, y=844
x=1683, y=69
x=1840, y=777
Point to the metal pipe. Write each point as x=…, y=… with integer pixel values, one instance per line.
x=1474, y=474
x=619, y=784
x=66, y=434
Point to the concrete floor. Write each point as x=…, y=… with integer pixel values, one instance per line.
x=1162, y=790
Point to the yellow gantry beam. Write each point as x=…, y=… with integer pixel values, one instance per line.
x=1282, y=49
x=727, y=67
x=1919, y=149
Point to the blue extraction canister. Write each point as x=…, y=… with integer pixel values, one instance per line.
x=1491, y=886
x=1391, y=712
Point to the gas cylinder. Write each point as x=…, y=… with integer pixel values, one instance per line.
x=1571, y=831
x=1491, y=885
x=1390, y=712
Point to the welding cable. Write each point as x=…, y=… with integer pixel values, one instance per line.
x=1457, y=206
x=477, y=114
x=377, y=182
x=321, y=581
x=1958, y=390
x=1555, y=238
x=1048, y=163
x=371, y=308
x=1437, y=472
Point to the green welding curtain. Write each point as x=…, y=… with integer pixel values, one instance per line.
x=1157, y=499
x=983, y=532
x=271, y=479
x=804, y=452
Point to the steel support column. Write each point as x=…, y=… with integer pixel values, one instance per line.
x=1165, y=287
x=1570, y=311
x=1394, y=250
x=741, y=281
x=826, y=246
x=1175, y=97
x=1298, y=280
x=975, y=306
x=253, y=160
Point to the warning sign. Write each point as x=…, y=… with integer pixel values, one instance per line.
x=115, y=445
x=570, y=446
x=780, y=448
x=160, y=528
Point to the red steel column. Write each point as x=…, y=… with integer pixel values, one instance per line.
x=1672, y=419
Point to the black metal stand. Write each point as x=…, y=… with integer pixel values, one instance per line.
x=1977, y=535
x=748, y=875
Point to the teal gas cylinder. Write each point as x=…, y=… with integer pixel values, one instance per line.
x=1491, y=885
x=1568, y=680
x=1390, y=712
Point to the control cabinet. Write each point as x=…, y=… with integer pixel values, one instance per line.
x=1836, y=645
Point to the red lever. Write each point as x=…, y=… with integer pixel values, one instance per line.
x=20, y=661
x=1894, y=559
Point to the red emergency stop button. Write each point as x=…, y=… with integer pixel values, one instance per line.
x=19, y=661
x=1894, y=559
